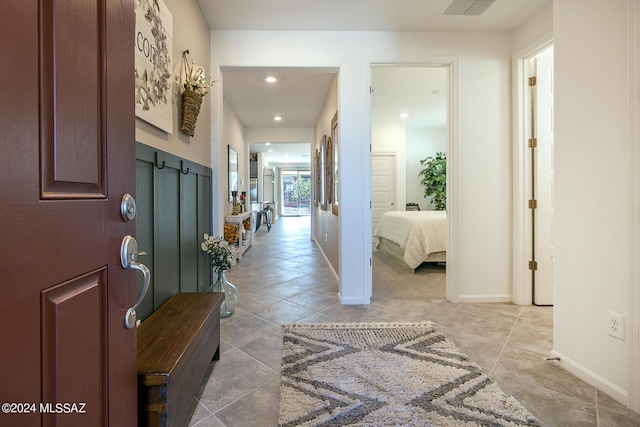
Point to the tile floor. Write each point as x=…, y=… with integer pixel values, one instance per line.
x=285, y=278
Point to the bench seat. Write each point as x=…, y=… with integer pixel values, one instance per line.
x=175, y=347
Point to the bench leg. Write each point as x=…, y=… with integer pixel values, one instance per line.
x=216, y=355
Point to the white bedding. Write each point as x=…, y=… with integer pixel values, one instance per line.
x=419, y=233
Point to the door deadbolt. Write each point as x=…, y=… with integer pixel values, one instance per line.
x=128, y=207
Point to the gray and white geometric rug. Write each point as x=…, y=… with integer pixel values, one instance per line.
x=386, y=374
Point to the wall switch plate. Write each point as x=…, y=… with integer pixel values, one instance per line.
x=615, y=325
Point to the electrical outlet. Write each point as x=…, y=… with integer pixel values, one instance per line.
x=615, y=325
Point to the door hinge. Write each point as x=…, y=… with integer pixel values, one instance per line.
x=532, y=81
x=370, y=90
x=533, y=204
x=370, y=262
x=533, y=265
x=369, y=204
x=533, y=142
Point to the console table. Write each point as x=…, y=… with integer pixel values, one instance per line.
x=245, y=239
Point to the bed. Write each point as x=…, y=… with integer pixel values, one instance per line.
x=413, y=237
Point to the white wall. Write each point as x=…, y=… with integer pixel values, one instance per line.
x=234, y=137
x=410, y=145
x=279, y=135
x=190, y=32
x=538, y=27
x=422, y=143
x=326, y=225
x=593, y=178
x=480, y=269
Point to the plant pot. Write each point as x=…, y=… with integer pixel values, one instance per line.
x=191, y=102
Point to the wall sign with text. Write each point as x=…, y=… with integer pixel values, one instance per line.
x=153, y=47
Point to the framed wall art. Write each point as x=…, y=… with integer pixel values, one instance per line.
x=322, y=172
x=316, y=177
x=328, y=172
x=335, y=164
x=153, y=56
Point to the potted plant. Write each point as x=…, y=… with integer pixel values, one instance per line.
x=434, y=179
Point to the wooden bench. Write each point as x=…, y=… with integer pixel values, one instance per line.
x=175, y=347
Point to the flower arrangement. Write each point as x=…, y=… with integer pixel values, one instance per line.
x=195, y=86
x=195, y=80
x=222, y=255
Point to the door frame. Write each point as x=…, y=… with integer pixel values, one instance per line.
x=634, y=197
x=454, y=242
x=522, y=234
x=297, y=170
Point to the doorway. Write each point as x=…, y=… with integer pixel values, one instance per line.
x=533, y=137
x=410, y=115
x=295, y=192
x=541, y=169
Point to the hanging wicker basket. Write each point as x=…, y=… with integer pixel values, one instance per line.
x=191, y=102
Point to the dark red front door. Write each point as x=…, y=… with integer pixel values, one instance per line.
x=66, y=159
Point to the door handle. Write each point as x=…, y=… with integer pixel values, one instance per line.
x=129, y=259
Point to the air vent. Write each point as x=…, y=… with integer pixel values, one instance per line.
x=468, y=7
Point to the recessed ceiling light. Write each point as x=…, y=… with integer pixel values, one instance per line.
x=277, y=118
x=271, y=79
x=270, y=150
x=267, y=143
x=404, y=115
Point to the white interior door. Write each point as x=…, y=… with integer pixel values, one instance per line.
x=544, y=182
x=383, y=186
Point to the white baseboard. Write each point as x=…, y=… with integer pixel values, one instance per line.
x=592, y=378
x=484, y=298
x=352, y=300
x=335, y=275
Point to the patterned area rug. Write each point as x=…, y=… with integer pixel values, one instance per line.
x=386, y=374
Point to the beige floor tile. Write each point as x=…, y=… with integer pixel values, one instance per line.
x=284, y=278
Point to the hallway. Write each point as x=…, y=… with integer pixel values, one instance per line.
x=285, y=278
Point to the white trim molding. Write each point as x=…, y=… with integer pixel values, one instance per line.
x=454, y=241
x=476, y=299
x=454, y=237
x=591, y=377
x=522, y=291
x=634, y=197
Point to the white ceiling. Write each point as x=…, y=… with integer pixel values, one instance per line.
x=299, y=94
x=363, y=15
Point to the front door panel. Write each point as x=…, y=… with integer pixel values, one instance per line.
x=67, y=129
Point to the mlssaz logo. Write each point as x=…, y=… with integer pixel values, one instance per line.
x=63, y=408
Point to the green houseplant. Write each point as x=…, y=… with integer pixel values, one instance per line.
x=434, y=179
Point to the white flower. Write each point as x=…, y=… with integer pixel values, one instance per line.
x=222, y=255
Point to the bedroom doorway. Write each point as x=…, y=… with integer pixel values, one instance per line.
x=409, y=122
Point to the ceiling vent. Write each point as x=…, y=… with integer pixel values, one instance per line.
x=468, y=7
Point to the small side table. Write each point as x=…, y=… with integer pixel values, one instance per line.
x=246, y=236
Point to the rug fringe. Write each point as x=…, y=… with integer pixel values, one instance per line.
x=426, y=323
